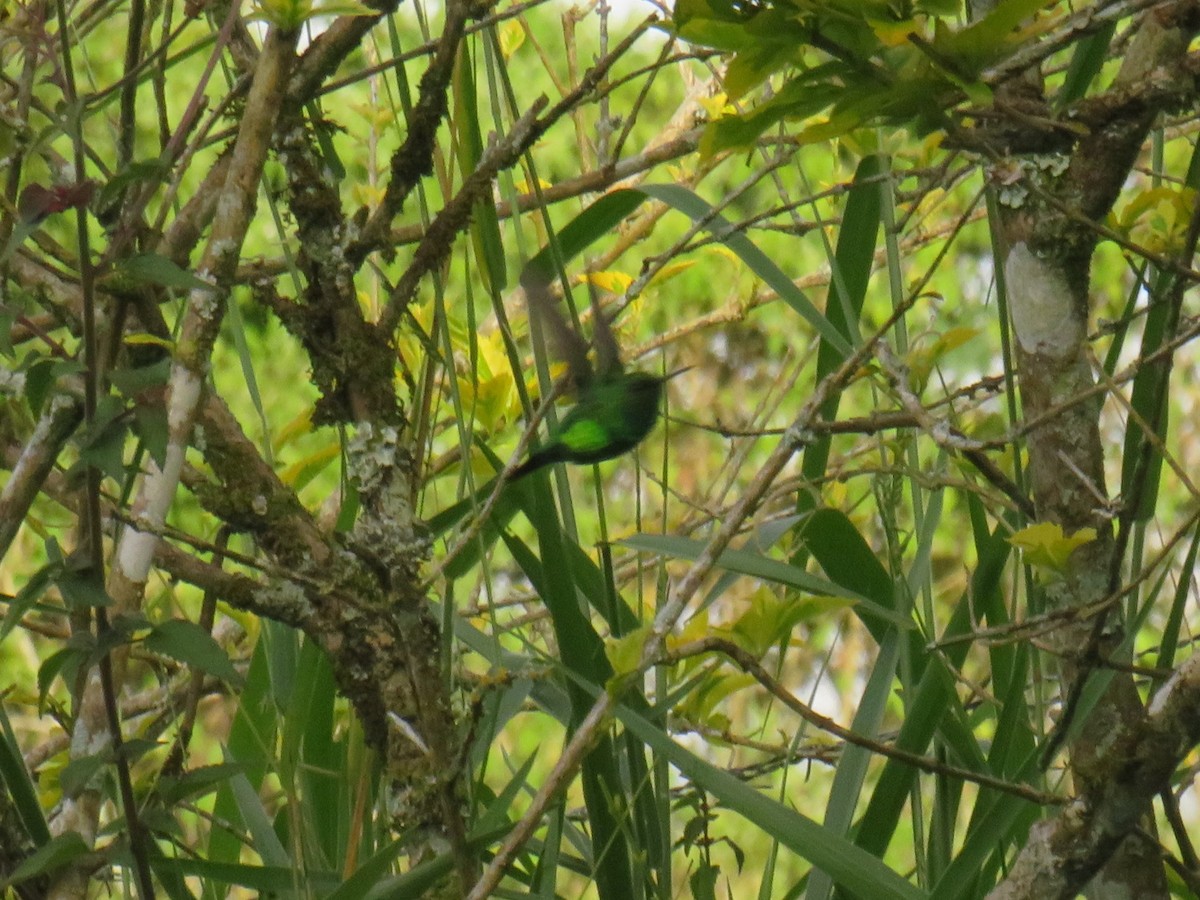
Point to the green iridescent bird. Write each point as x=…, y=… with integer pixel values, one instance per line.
x=615, y=410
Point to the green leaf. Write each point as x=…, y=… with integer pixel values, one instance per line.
x=988, y=40
x=1170, y=635
x=581, y=652
x=940, y=7
x=606, y=213
x=370, y=873
x=190, y=644
x=237, y=327
x=485, y=221
x=82, y=588
x=597, y=221
x=800, y=97
x=136, y=173
x=131, y=382
x=309, y=736
x=323, y=130
x=151, y=425
x=767, y=569
x=55, y=854
x=253, y=732
x=1000, y=817
x=851, y=772
x=103, y=444
x=79, y=773
x=1006, y=16
x=20, y=787
x=713, y=23
x=310, y=465
x=1045, y=545
x=28, y=595
x=625, y=653
x=849, y=866
x=850, y=562
x=928, y=703
x=42, y=374
x=769, y=621
x=703, y=881
x=1088, y=59
x=264, y=839
x=7, y=318
x=195, y=782
x=65, y=662
x=263, y=880
x=421, y=879
x=150, y=268
x=778, y=42
x=851, y=265
x=759, y=263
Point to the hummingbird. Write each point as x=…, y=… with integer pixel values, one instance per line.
x=614, y=412
x=615, y=409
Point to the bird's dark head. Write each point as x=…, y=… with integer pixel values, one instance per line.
x=643, y=394
x=646, y=385
x=647, y=388
x=644, y=381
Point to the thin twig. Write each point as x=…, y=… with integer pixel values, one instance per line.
x=746, y=661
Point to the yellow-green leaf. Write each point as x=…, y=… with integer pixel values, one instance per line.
x=143, y=339
x=770, y=620
x=625, y=653
x=305, y=470
x=613, y=282
x=512, y=36
x=300, y=425
x=1045, y=546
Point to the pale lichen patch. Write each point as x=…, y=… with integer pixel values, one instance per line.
x=1043, y=313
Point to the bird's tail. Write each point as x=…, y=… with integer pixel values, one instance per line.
x=539, y=459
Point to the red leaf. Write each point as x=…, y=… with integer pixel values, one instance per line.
x=37, y=202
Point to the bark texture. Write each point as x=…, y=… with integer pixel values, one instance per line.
x=1049, y=231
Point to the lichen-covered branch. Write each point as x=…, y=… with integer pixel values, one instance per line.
x=58, y=422
x=1063, y=853
x=414, y=159
x=1048, y=243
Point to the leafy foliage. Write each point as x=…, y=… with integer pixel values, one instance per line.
x=852, y=64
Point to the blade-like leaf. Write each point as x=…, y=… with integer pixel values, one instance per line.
x=188, y=643
x=848, y=865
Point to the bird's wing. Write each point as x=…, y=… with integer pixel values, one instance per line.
x=565, y=340
x=608, y=354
